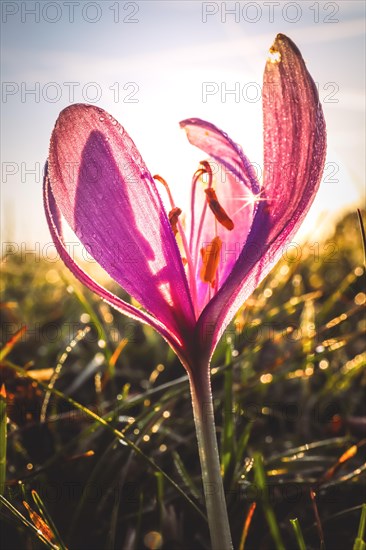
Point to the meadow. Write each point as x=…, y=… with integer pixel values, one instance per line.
x=97, y=435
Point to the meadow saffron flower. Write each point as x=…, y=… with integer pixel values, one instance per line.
x=190, y=278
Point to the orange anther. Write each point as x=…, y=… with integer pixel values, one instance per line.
x=173, y=218
x=218, y=210
x=210, y=261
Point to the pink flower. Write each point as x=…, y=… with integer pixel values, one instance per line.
x=98, y=181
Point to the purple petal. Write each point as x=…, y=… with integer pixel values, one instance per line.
x=235, y=184
x=54, y=223
x=294, y=155
x=108, y=197
x=220, y=147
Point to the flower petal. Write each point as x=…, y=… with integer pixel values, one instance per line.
x=294, y=136
x=294, y=155
x=54, y=223
x=108, y=197
x=236, y=187
x=220, y=147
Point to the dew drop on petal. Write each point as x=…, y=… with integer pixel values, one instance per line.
x=274, y=56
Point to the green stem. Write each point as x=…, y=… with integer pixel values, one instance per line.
x=204, y=419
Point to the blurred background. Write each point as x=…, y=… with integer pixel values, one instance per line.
x=154, y=63
x=288, y=377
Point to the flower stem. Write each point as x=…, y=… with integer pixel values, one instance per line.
x=203, y=413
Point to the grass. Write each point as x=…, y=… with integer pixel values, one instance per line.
x=100, y=444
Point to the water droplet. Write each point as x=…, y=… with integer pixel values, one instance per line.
x=274, y=56
x=101, y=118
x=114, y=122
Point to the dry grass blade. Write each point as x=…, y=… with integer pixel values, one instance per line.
x=317, y=519
x=39, y=523
x=363, y=233
x=4, y=352
x=347, y=455
x=3, y=438
x=30, y=525
x=248, y=521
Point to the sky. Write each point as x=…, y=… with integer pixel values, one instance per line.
x=154, y=63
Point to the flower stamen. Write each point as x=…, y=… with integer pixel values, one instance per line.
x=198, y=175
x=217, y=210
x=173, y=218
x=177, y=228
x=163, y=182
x=206, y=169
x=210, y=261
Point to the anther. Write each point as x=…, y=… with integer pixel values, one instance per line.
x=175, y=212
x=218, y=210
x=173, y=219
x=210, y=261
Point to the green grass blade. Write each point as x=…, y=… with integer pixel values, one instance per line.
x=335, y=297
x=187, y=479
x=228, y=438
x=261, y=485
x=242, y=443
x=359, y=543
x=95, y=321
x=47, y=518
x=298, y=533
x=160, y=499
x=56, y=373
